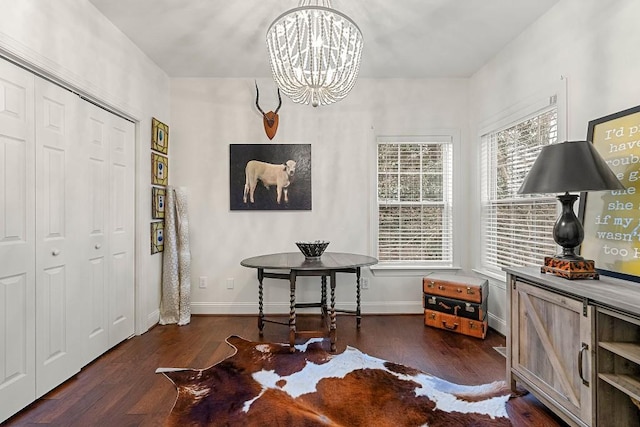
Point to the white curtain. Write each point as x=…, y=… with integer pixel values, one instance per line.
x=175, y=305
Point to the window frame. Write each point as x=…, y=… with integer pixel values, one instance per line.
x=520, y=115
x=405, y=267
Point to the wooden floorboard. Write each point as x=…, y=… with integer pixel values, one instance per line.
x=121, y=388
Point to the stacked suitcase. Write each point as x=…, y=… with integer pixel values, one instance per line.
x=456, y=303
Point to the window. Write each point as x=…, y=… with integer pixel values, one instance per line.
x=414, y=194
x=517, y=229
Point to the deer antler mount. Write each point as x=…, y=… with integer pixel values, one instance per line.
x=269, y=119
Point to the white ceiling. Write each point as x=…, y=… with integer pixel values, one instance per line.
x=402, y=38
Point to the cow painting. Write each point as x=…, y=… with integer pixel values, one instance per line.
x=269, y=177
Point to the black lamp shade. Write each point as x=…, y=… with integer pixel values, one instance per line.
x=569, y=166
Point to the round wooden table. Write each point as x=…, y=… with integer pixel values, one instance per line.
x=296, y=264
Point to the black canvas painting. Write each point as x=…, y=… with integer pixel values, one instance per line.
x=270, y=176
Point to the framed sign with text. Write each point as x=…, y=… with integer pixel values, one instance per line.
x=611, y=219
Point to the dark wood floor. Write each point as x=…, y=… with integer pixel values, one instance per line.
x=121, y=389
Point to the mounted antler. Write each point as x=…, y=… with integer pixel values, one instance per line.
x=269, y=119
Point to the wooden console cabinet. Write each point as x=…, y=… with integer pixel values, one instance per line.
x=575, y=344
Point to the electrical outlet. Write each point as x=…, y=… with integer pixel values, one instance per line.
x=364, y=283
x=230, y=283
x=203, y=282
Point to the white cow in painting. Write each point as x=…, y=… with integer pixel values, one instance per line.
x=269, y=174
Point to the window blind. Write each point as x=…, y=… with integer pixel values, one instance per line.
x=517, y=229
x=414, y=201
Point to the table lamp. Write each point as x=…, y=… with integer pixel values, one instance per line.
x=561, y=168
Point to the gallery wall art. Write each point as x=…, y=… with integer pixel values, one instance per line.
x=159, y=136
x=270, y=176
x=159, y=169
x=157, y=205
x=157, y=237
x=159, y=181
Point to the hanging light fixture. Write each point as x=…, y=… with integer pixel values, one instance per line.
x=314, y=52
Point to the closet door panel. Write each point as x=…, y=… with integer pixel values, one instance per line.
x=95, y=141
x=59, y=180
x=121, y=230
x=17, y=240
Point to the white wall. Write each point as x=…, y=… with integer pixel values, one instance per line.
x=592, y=43
x=72, y=43
x=209, y=114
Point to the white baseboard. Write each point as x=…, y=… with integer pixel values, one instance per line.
x=498, y=324
x=388, y=307
x=153, y=318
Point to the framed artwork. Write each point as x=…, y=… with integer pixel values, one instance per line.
x=611, y=219
x=157, y=237
x=159, y=169
x=157, y=202
x=159, y=136
x=270, y=176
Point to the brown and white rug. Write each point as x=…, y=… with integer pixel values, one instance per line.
x=263, y=384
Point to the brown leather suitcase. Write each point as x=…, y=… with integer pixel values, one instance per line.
x=464, y=288
x=457, y=307
x=460, y=325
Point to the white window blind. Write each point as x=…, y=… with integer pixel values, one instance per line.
x=414, y=201
x=517, y=229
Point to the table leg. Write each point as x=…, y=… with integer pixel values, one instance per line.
x=292, y=311
x=260, y=305
x=358, y=314
x=323, y=298
x=333, y=328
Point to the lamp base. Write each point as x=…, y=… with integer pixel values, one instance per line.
x=570, y=268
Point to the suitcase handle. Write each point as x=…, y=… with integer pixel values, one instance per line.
x=452, y=328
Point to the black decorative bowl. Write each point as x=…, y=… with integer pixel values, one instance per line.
x=312, y=250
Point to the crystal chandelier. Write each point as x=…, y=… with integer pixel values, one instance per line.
x=314, y=52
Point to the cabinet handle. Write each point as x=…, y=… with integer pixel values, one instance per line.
x=431, y=285
x=98, y=246
x=582, y=350
x=55, y=252
x=441, y=287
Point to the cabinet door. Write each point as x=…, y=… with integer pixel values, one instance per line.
x=17, y=240
x=59, y=179
x=552, y=346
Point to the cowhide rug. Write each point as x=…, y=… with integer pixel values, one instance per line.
x=263, y=384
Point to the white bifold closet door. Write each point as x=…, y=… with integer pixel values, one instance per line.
x=59, y=218
x=17, y=240
x=66, y=235
x=108, y=236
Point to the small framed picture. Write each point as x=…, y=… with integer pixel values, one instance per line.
x=157, y=237
x=159, y=169
x=157, y=202
x=159, y=136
